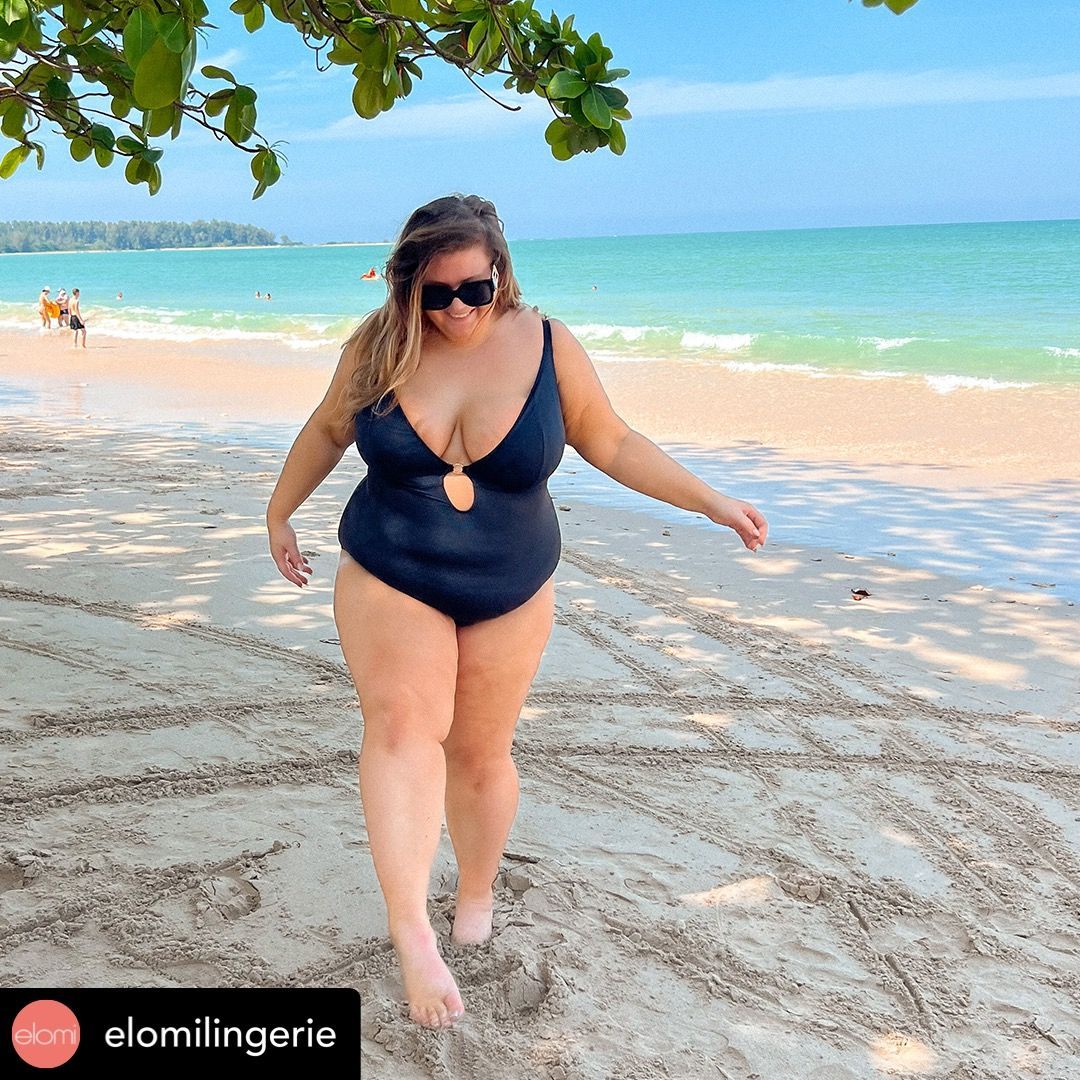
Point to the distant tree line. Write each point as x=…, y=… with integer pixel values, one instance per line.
x=127, y=235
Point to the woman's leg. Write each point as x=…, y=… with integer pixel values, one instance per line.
x=402, y=655
x=497, y=661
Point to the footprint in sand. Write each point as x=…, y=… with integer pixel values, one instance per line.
x=11, y=877
x=227, y=897
x=648, y=889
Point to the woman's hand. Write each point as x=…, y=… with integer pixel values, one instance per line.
x=745, y=519
x=286, y=553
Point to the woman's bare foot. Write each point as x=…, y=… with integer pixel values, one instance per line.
x=434, y=1000
x=472, y=920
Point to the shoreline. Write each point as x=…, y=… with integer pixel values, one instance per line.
x=208, y=247
x=900, y=423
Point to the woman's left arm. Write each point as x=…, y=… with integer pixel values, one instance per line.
x=608, y=443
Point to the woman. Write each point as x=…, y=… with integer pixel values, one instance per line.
x=444, y=594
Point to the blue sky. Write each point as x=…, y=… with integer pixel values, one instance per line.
x=747, y=115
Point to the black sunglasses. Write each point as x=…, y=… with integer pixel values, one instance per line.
x=435, y=297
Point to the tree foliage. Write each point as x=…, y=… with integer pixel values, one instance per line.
x=897, y=7
x=127, y=235
x=112, y=77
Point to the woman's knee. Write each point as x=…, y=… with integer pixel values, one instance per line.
x=397, y=721
x=478, y=767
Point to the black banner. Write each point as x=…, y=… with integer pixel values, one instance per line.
x=133, y=1032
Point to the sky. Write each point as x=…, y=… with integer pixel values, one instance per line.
x=747, y=115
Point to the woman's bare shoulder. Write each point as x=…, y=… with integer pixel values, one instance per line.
x=524, y=325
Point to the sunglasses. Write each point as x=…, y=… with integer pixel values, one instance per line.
x=435, y=297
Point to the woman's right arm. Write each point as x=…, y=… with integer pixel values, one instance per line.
x=316, y=450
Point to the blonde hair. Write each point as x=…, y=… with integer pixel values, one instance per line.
x=386, y=345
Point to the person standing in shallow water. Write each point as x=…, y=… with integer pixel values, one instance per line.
x=75, y=319
x=444, y=590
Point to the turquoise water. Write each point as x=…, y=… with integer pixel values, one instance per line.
x=988, y=305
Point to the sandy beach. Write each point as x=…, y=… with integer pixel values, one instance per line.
x=766, y=830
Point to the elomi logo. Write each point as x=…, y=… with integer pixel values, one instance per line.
x=45, y=1033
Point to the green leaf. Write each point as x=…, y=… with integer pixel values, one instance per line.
x=476, y=37
x=254, y=18
x=217, y=102
x=131, y=171
x=12, y=160
x=617, y=140
x=344, y=52
x=561, y=151
x=408, y=9
x=172, y=29
x=152, y=154
x=615, y=98
x=577, y=113
x=211, y=72
x=159, y=121
x=91, y=31
x=158, y=78
x=187, y=62
x=567, y=84
x=584, y=56
x=139, y=37
x=556, y=132
x=367, y=95
x=615, y=73
x=153, y=182
x=603, y=54
x=596, y=108
x=100, y=135
x=12, y=124
x=272, y=169
x=75, y=14
x=103, y=156
x=127, y=145
x=239, y=121
x=56, y=89
x=14, y=19
x=80, y=148
x=245, y=95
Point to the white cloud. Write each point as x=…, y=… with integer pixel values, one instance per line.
x=471, y=115
x=460, y=117
x=299, y=77
x=223, y=60
x=860, y=90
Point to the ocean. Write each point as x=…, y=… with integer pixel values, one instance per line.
x=982, y=305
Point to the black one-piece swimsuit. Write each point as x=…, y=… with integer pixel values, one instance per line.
x=470, y=564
